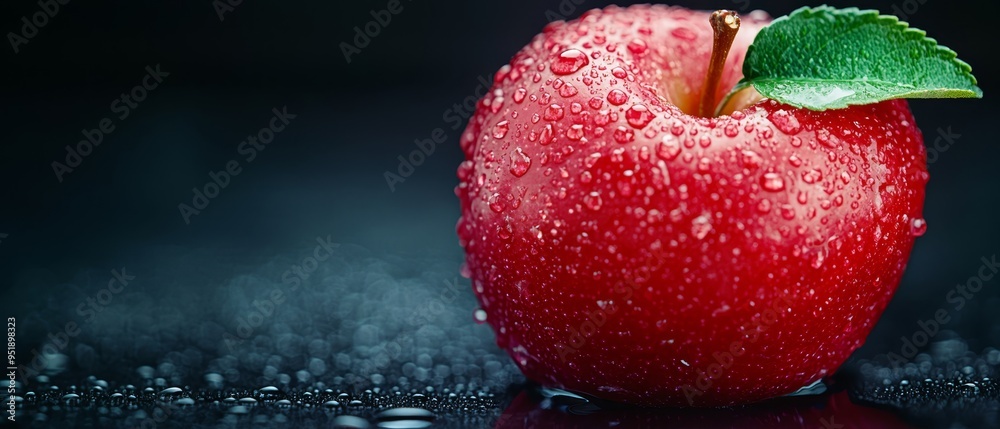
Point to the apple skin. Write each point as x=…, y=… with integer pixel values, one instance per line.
x=648, y=256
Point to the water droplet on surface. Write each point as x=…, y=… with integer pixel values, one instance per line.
x=668, y=148
x=683, y=33
x=787, y=212
x=519, y=163
x=171, y=391
x=918, y=227
x=772, y=182
x=818, y=259
x=519, y=95
x=812, y=176
x=638, y=116
x=479, y=315
x=554, y=112
x=700, y=226
x=751, y=160
x=500, y=129
x=637, y=46
x=786, y=122
x=350, y=422
x=624, y=135
x=568, y=90
x=619, y=73
x=592, y=201
x=569, y=61
x=575, y=132
x=764, y=206
x=546, y=135
x=617, y=97
x=731, y=130
x=496, y=203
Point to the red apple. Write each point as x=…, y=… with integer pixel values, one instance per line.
x=626, y=247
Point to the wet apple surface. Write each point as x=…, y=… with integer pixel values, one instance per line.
x=625, y=248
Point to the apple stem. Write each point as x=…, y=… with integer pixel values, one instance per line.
x=725, y=24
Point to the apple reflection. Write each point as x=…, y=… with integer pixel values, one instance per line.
x=530, y=409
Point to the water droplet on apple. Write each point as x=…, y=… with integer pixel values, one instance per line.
x=731, y=130
x=602, y=118
x=751, y=160
x=500, y=129
x=918, y=227
x=519, y=163
x=683, y=33
x=637, y=46
x=546, y=135
x=624, y=135
x=704, y=164
x=812, y=176
x=619, y=73
x=617, y=97
x=554, y=112
x=764, y=206
x=772, y=182
x=819, y=258
x=567, y=90
x=519, y=95
x=575, y=132
x=496, y=203
x=668, y=148
x=787, y=212
x=638, y=116
x=592, y=201
x=700, y=226
x=569, y=61
x=786, y=122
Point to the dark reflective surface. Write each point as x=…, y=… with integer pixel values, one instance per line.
x=530, y=409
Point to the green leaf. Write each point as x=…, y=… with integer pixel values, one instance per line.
x=825, y=58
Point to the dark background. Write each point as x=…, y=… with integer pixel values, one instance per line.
x=324, y=173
